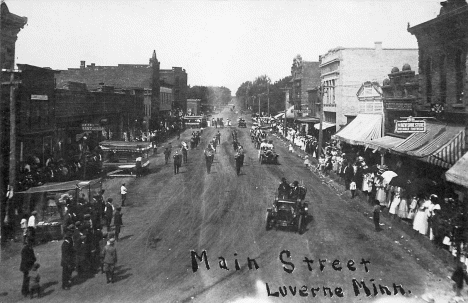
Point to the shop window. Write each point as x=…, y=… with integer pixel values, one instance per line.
x=443, y=79
x=428, y=68
x=459, y=73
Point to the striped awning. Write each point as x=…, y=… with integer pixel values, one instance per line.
x=383, y=143
x=441, y=144
x=364, y=127
x=457, y=174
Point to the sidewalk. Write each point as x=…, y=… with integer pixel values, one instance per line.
x=400, y=230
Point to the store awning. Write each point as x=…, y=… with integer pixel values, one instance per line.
x=280, y=115
x=363, y=128
x=440, y=145
x=325, y=125
x=383, y=143
x=307, y=120
x=52, y=187
x=125, y=146
x=458, y=173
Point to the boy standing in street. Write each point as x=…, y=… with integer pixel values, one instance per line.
x=123, y=193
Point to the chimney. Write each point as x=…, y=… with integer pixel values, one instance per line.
x=93, y=65
x=378, y=46
x=82, y=64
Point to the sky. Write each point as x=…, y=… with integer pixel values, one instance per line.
x=218, y=43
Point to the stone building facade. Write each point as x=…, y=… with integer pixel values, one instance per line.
x=343, y=70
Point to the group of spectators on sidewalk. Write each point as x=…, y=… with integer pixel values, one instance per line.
x=86, y=249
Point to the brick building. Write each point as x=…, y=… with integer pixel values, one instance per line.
x=11, y=25
x=443, y=44
x=135, y=75
x=305, y=76
x=343, y=70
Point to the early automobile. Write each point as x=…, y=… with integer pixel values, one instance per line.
x=268, y=156
x=241, y=123
x=287, y=213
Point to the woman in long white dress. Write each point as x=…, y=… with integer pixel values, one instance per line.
x=395, y=202
x=420, y=222
x=381, y=195
x=403, y=206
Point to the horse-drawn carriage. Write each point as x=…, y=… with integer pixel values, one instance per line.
x=288, y=212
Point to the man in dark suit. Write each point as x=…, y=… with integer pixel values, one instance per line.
x=68, y=260
x=28, y=259
x=284, y=189
x=177, y=162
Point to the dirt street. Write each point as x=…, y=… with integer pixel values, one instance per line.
x=223, y=214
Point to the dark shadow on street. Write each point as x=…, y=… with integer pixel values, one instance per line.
x=46, y=292
x=125, y=237
x=120, y=273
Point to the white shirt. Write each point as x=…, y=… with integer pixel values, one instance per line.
x=138, y=159
x=123, y=190
x=32, y=221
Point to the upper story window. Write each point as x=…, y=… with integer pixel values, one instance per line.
x=443, y=79
x=459, y=75
x=428, y=70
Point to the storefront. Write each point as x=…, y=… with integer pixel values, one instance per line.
x=363, y=128
x=48, y=201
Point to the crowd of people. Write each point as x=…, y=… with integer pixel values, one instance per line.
x=35, y=172
x=86, y=248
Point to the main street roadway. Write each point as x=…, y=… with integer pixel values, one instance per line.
x=169, y=216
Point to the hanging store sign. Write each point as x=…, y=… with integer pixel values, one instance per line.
x=401, y=106
x=40, y=97
x=410, y=126
x=91, y=126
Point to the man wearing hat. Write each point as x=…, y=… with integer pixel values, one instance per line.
x=177, y=162
x=284, y=189
x=109, y=211
x=28, y=259
x=109, y=259
x=68, y=258
x=295, y=191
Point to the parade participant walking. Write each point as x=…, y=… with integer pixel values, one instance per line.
x=209, y=155
x=184, y=151
x=28, y=258
x=167, y=154
x=214, y=143
x=68, y=259
x=118, y=222
x=123, y=194
x=177, y=162
x=109, y=259
x=218, y=138
x=238, y=159
x=109, y=211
